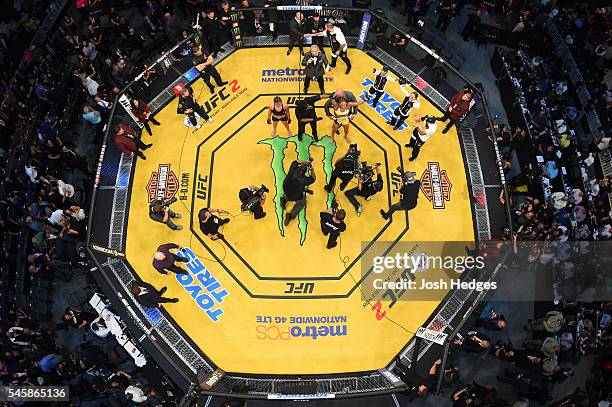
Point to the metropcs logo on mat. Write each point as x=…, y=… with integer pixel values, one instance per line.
x=279, y=146
x=202, y=286
x=296, y=327
x=435, y=185
x=162, y=184
x=286, y=75
x=386, y=105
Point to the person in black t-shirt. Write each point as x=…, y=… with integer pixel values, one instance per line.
x=366, y=187
x=344, y=168
x=315, y=25
x=332, y=224
x=210, y=224
x=294, y=187
x=410, y=194
x=305, y=113
x=203, y=62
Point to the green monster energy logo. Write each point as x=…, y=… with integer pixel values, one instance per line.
x=302, y=148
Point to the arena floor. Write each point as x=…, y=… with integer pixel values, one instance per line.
x=291, y=306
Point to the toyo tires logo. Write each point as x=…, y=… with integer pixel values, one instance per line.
x=301, y=151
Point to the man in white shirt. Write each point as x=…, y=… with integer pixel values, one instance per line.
x=425, y=129
x=338, y=45
x=135, y=394
x=57, y=216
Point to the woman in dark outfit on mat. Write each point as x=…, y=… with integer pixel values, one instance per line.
x=278, y=111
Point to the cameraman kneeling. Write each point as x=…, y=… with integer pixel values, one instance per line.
x=332, y=224
x=252, y=199
x=294, y=187
x=410, y=194
x=160, y=211
x=344, y=169
x=366, y=187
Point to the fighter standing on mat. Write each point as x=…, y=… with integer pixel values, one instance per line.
x=341, y=116
x=278, y=111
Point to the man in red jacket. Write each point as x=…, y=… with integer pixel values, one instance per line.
x=457, y=108
x=128, y=143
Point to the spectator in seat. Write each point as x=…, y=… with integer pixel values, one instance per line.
x=493, y=323
x=475, y=342
x=552, y=323
x=549, y=347
x=148, y=296
x=398, y=41
x=78, y=319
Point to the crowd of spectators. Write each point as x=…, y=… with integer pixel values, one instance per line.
x=587, y=31
x=56, y=92
x=73, y=78
x=552, y=346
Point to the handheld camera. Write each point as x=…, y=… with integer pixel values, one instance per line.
x=255, y=197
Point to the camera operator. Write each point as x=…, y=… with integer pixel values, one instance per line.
x=252, y=199
x=426, y=128
x=366, y=187
x=160, y=211
x=409, y=190
x=188, y=105
x=344, y=168
x=210, y=224
x=332, y=224
x=300, y=175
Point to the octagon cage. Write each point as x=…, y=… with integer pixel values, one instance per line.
x=432, y=70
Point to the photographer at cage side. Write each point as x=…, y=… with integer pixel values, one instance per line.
x=301, y=174
x=366, y=187
x=332, y=224
x=189, y=106
x=252, y=199
x=210, y=224
x=409, y=190
x=345, y=168
x=160, y=211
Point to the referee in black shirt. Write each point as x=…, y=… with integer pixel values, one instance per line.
x=306, y=114
x=203, y=62
x=366, y=187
